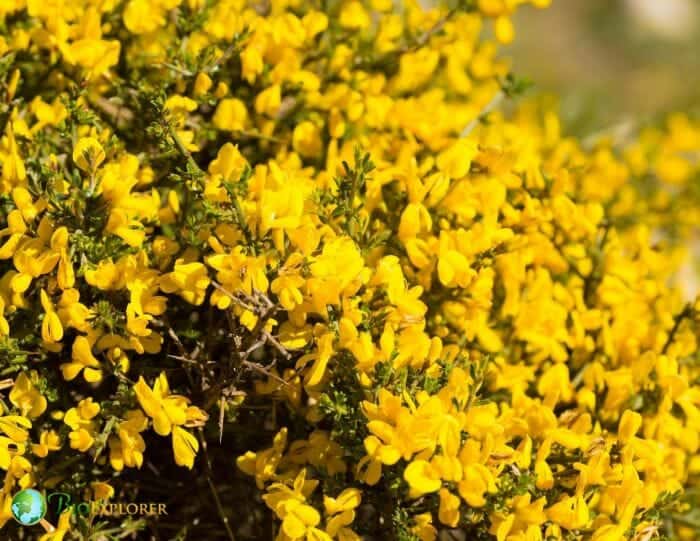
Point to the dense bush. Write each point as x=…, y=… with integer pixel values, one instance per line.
x=288, y=268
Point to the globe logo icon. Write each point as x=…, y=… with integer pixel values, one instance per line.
x=28, y=507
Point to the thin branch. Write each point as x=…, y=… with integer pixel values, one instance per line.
x=425, y=36
x=173, y=67
x=256, y=135
x=222, y=411
x=233, y=297
x=257, y=367
x=272, y=340
x=181, y=147
x=184, y=355
x=490, y=106
x=212, y=487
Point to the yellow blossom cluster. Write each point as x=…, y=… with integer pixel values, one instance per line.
x=301, y=241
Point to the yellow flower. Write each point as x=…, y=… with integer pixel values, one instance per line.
x=15, y=429
x=269, y=100
x=106, y=276
x=422, y=478
x=354, y=16
x=298, y=518
x=185, y=447
x=82, y=361
x=25, y=396
x=202, y=84
x=252, y=63
x=83, y=428
x=307, y=139
x=49, y=440
x=287, y=287
x=13, y=170
x=127, y=448
x=16, y=227
x=32, y=259
x=231, y=115
x=189, y=280
x=424, y=528
x=630, y=423
x=476, y=482
x=449, y=508
x=101, y=491
x=169, y=412
x=282, y=208
x=96, y=55
x=321, y=358
x=51, y=327
x=263, y=465
x=503, y=27
x=340, y=513
x=348, y=499
x=166, y=410
x=88, y=154
x=571, y=512
x=143, y=16
x=59, y=243
x=315, y=22
x=456, y=160
x=228, y=165
x=237, y=272
x=130, y=230
x=477, y=479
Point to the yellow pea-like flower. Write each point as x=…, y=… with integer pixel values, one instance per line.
x=82, y=361
x=88, y=154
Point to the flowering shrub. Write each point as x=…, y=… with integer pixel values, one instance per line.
x=287, y=267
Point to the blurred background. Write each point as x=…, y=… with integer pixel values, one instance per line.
x=614, y=66
x=610, y=61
